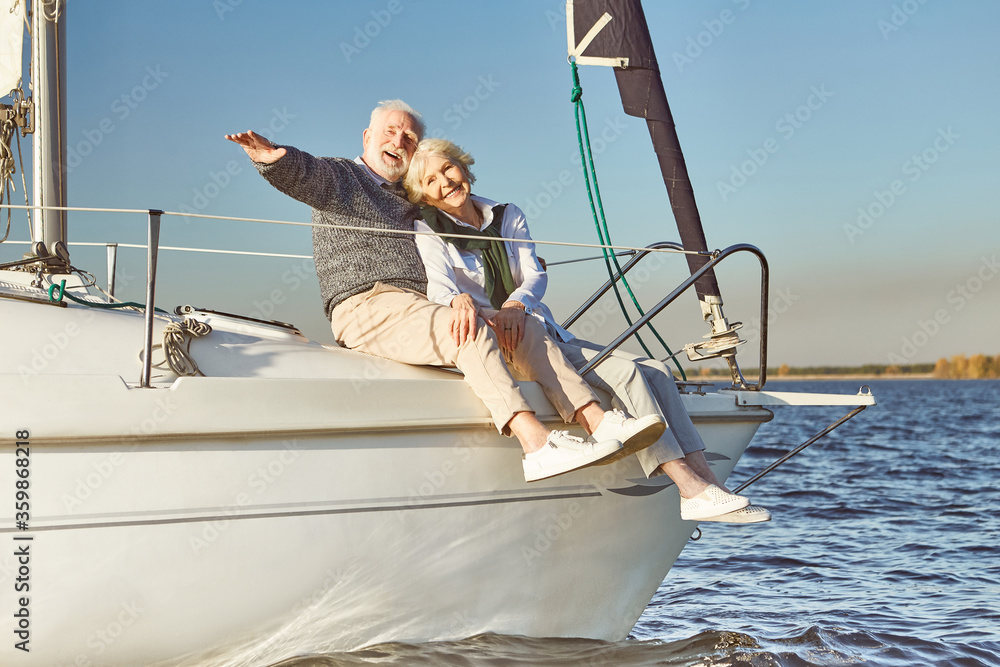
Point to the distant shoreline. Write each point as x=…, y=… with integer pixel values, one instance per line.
x=900, y=376
x=959, y=367
x=865, y=378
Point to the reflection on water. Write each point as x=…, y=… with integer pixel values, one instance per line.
x=884, y=550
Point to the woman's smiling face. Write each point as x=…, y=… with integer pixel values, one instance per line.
x=445, y=185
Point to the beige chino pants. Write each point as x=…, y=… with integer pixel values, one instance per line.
x=405, y=326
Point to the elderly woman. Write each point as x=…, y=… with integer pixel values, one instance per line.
x=503, y=283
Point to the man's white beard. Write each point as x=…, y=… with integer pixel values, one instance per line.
x=394, y=171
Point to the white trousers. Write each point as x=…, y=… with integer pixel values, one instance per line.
x=641, y=386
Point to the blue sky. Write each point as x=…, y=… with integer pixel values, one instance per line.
x=854, y=142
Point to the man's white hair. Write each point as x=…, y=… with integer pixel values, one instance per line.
x=399, y=105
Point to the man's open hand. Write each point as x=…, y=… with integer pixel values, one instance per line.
x=257, y=147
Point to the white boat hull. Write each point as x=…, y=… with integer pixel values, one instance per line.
x=272, y=548
x=244, y=520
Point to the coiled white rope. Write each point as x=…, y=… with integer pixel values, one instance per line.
x=177, y=337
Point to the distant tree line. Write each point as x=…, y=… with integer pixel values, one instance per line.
x=976, y=367
x=866, y=370
x=960, y=367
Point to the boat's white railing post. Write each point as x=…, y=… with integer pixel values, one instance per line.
x=151, y=252
x=112, y=262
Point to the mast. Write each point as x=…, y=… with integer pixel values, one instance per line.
x=48, y=80
x=614, y=33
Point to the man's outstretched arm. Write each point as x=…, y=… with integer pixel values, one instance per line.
x=313, y=181
x=257, y=147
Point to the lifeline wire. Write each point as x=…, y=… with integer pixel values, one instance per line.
x=403, y=232
x=604, y=247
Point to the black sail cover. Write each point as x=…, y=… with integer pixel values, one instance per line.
x=626, y=35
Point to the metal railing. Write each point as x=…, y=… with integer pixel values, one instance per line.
x=152, y=251
x=716, y=258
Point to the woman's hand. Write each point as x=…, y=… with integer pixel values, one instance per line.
x=463, y=318
x=508, y=324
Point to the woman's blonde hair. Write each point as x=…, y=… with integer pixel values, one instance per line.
x=413, y=181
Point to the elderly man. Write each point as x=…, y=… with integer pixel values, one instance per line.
x=374, y=287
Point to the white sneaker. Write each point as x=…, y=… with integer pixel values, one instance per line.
x=634, y=434
x=563, y=452
x=748, y=514
x=711, y=502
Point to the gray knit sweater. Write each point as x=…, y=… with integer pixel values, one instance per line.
x=341, y=192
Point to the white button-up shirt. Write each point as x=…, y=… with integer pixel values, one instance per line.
x=452, y=271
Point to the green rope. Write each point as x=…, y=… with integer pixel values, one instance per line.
x=601, y=223
x=94, y=304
